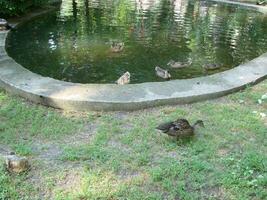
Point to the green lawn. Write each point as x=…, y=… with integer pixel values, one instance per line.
x=120, y=155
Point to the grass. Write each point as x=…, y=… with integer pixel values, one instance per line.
x=120, y=155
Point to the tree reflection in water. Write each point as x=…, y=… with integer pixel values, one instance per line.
x=73, y=43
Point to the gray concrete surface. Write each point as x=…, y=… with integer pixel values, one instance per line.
x=108, y=97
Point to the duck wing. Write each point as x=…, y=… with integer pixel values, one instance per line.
x=183, y=128
x=165, y=127
x=180, y=127
x=182, y=123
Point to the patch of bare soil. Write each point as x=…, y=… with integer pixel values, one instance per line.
x=215, y=192
x=118, y=145
x=222, y=152
x=82, y=137
x=70, y=182
x=4, y=150
x=46, y=166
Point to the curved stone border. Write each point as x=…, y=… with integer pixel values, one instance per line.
x=73, y=96
x=262, y=9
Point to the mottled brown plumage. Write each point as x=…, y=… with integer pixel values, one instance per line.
x=179, y=128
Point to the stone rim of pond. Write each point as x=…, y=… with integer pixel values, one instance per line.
x=110, y=97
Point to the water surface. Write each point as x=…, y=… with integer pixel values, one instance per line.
x=73, y=43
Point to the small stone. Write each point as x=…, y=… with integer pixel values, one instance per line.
x=262, y=115
x=259, y=101
x=17, y=164
x=254, y=112
x=264, y=96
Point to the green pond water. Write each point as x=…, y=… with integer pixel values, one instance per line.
x=73, y=42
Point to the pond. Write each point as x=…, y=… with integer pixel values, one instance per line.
x=74, y=42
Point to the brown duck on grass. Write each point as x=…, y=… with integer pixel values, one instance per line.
x=180, y=128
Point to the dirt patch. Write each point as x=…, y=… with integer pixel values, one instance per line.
x=222, y=152
x=5, y=150
x=82, y=137
x=46, y=175
x=71, y=182
x=168, y=154
x=46, y=151
x=118, y=145
x=127, y=175
x=121, y=115
x=215, y=192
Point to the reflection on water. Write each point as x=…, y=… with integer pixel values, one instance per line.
x=73, y=43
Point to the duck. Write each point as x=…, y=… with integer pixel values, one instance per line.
x=4, y=25
x=178, y=65
x=179, y=128
x=261, y=2
x=124, y=79
x=117, y=47
x=211, y=66
x=162, y=73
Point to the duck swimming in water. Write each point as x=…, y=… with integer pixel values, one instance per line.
x=211, y=66
x=179, y=128
x=261, y=2
x=124, y=79
x=179, y=65
x=162, y=73
x=4, y=25
x=117, y=47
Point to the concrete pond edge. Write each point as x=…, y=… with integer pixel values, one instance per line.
x=110, y=97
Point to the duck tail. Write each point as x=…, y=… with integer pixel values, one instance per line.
x=9, y=27
x=198, y=123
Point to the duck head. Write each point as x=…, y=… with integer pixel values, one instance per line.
x=199, y=123
x=124, y=79
x=190, y=61
x=167, y=74
x=171, y=62
x=117, y=44
x=127, y=75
